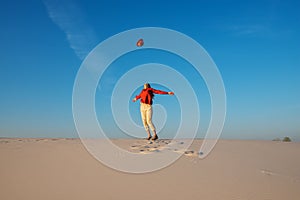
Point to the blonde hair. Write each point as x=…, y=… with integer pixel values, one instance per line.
x=147, y=85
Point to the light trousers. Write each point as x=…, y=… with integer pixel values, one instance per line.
x=146, y=113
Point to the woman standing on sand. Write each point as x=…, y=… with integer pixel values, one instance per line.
x=146, y=97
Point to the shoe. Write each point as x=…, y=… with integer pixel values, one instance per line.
x=155, y=137
x=148, y=138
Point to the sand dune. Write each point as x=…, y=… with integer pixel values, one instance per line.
x=40, y=168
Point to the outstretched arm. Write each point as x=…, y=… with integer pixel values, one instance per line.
x=136, y=98
x=161, y=92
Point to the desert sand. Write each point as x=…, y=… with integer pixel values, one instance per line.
x=44, y=168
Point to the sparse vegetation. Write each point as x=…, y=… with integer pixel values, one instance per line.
x=286, y=139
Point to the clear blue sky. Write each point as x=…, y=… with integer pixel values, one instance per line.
x=255, y=44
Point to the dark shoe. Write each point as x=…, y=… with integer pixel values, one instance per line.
x=155, y=137
x=148, y=138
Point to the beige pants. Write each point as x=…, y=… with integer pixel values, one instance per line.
x=146, y=113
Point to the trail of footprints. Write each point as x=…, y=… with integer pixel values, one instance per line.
x=147, y=147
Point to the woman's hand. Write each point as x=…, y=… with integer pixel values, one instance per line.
x=134, y=100
x=171, y=93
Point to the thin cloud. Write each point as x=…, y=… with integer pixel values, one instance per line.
x=70, y=19
x=249, y=30
x=258, y=30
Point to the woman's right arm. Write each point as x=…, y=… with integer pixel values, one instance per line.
x=137, y=97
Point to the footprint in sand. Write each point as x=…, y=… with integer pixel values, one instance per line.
x=135, y=147
x=189, y=153
x=279, y=175
x=186, y=153
x=154, y=150
x=266, y=172
x=143, y=151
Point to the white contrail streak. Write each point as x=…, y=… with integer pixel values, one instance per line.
x=70, y=19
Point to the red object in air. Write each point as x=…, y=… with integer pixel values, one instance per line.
x=140, y=43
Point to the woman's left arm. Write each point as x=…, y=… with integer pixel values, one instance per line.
x=161, y=92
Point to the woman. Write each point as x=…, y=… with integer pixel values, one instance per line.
x=146, y=97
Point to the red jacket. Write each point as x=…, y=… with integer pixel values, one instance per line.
x=146, y=95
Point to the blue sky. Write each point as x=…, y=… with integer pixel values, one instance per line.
x=255, y=45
